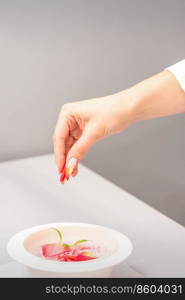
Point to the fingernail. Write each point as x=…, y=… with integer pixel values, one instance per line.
x=71, y=165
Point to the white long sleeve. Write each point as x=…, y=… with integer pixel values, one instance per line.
x=178, y=70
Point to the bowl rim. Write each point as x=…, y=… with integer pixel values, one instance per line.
x=17, y=251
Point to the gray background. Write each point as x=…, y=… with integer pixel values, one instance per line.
x=52, y=52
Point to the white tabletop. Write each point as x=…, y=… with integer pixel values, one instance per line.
x=31, y=195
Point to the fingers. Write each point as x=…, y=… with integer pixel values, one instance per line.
x=70, y=169
x=71, y=143
x=81, y=146
x=59, y=141
x=76, y=153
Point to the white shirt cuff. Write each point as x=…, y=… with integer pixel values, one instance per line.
x=178, y=70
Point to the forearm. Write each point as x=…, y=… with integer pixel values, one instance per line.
x=81, y=124
x=158, y=96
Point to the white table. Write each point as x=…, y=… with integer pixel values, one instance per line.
x=31, y=195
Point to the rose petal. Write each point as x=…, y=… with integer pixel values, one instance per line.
x=65, y=176
x=82, y=257
x=58, y=252
x=49, y=250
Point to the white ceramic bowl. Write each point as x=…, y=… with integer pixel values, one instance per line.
x=21, y=247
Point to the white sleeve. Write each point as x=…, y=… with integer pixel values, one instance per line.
x=178, y=70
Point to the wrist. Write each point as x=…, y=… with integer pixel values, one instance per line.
x=151, y=98
x=129, y=105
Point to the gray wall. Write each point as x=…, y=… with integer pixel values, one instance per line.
x=57, y=51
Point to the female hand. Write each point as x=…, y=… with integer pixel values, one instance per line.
x=81, y=124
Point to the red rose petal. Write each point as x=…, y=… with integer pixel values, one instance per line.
x=82, y=257
x=65, y=176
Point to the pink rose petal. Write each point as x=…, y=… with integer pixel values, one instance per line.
x=50, y=250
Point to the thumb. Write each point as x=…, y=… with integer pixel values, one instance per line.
x=82, y=145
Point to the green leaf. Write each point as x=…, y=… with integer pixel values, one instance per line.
x=79, y=242
x=59, y=235
x=66, y=245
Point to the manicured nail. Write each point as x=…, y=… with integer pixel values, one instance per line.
x=71, y=165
